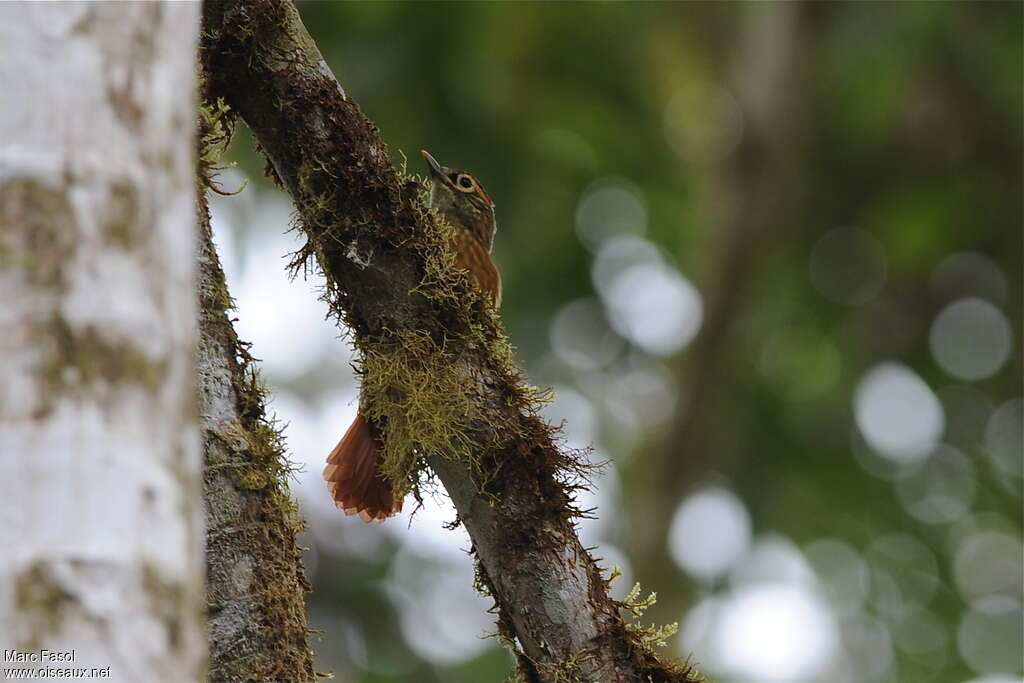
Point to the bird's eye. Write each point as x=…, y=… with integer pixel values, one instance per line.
x=466, y=182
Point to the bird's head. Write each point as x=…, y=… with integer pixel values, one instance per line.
x=458, y=197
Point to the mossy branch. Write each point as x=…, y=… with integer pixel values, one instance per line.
x=255, y=584
x=437, y=371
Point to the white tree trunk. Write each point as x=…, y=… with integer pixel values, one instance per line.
x=101, y=535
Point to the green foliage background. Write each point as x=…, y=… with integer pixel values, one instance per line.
x=902, y=120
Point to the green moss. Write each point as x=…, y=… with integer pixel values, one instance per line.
x=268, y=525
x=215, y=127
x=261, y=448
x=644, y=636
x=418, y=391
x=640, y=641
x=569, y=670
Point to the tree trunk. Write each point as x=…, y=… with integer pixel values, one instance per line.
x=100, y=515
x=437, y=369
x=255, y=581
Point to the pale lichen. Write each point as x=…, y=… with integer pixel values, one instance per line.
x=38, y=238
x=122, y=226
x=40, y=602
x=78, y=361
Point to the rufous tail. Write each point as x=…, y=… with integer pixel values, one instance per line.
x=353, y=478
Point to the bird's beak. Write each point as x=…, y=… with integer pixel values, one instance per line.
x=435, y=168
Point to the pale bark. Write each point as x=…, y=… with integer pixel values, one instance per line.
x=100, y=516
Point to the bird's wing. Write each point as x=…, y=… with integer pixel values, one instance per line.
x=473, y=257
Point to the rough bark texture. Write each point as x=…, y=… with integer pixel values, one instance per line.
x=100, y=515
x=417, y=327
x=255, y=583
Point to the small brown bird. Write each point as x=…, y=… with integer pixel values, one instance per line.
x=352, y=474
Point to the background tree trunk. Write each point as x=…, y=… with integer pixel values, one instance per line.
x=760, y=189
x=100, y=522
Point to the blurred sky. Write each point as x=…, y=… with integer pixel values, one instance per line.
x=769, y=258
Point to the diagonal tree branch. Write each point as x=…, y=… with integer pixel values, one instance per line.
x=437, y=371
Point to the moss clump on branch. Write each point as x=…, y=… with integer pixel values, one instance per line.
x=423, y=387
x=645, y=636
x=415, y=391
x=264, y=465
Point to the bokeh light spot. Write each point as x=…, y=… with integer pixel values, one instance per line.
x=911, y=567
x=921, y=632
x=619, y=254
x=655, y=307
x=772, y=559
x=442, y=618
x=897, y=413
x=581, y=336
x=941, y=489
x=710, y=532
x=990, y=635
x=970, y=339
x=842, y=573
x=576, y=412
x=270, y=306
x=969, y=274
x=609, y=207
x=989, y=562
x=868, y=645
x=1004, y=437
x=775, y=632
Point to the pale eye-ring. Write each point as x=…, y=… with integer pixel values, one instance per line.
x=465, y=182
